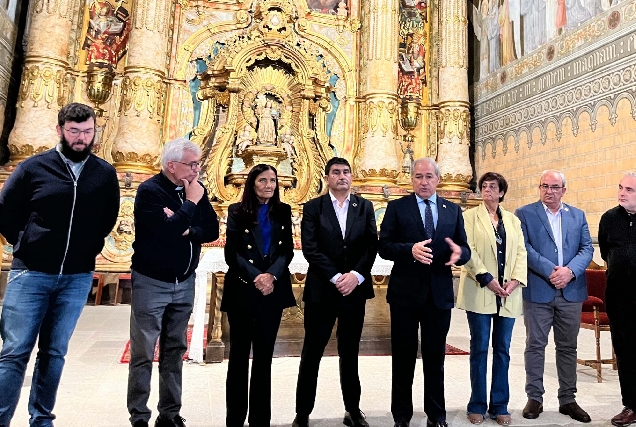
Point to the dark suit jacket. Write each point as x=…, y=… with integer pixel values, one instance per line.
x=329, y=254
x=410, y=280
x=244, y=257
x=543, y=255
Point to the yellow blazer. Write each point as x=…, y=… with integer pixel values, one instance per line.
x=481, y=239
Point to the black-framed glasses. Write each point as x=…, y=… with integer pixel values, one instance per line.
x=77, y=132
x=193, y=165
x=552, y=188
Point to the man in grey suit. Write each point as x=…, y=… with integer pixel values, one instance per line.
x=559, y=249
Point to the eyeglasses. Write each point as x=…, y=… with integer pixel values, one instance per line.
x=552, y=188
x=193, y=165
x=77, y=132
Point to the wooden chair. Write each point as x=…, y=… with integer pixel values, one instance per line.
x=594, y=317
x=101, y=279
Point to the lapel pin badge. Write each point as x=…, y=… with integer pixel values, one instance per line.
x=355, y=205
x=444, y=206
x=567, y=210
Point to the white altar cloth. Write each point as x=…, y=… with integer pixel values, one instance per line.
x=213, y=261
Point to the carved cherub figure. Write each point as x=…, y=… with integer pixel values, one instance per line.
x=287, y=143
x=244, y=140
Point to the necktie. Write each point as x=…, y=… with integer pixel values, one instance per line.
x=429, y=227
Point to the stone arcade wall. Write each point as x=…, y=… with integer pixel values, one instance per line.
x=570, y=105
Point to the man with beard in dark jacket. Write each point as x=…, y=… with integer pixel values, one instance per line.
x=56, y=208
x=173, y=217
x=617, y=241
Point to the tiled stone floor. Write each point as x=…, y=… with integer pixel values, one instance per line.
x=93, y=388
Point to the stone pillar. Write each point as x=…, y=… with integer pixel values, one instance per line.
x=136, y=147
x=44, y=87
x=453, y=117
x=377, y=158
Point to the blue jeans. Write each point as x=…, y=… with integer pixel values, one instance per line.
x=47, y=305
x=479, y=325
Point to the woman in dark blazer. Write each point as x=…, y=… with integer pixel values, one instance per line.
x=258, y=251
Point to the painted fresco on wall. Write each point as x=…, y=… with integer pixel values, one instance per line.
x=506, y=30
x=328, y=6
x=412, y=51
x=106, y=39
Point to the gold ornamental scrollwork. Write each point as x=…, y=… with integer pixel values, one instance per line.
x=143, y=94
x=118, y=244
x=42, y=83
x=453, y=123
x=458, y=179
x=25, y=151
x=142, y=163
x=152, y=15
x=379, y=118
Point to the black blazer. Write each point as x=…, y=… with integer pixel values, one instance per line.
x=244, y=257
x=410, y=279
x=329, y=254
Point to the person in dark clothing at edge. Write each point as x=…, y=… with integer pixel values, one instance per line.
x=617, y=242
x=173, y=217
x=56, y=208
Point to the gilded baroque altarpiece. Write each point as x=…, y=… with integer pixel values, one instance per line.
x=291, y=83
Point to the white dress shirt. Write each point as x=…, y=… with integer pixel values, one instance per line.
x=341, y=214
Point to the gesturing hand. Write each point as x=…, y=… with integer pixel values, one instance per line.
x=423, y=253
x=456, y=251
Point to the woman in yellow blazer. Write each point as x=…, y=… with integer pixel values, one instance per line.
x=489, y=291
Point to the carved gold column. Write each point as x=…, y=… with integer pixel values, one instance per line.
x=44, y=86
x=453, y=117
x=377, y=159
x=138, y=140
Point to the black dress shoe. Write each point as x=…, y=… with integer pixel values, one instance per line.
x=401, y=424
x=574, y=411
x=177, y=421
x=532, y=410
x=430, y=423
x=355, y=419
x=301, y=421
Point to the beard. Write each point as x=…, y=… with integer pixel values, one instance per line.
x=75, y=156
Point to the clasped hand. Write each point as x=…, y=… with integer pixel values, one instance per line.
x=502, y=291
x=424, y=254
x=560, y=277
x=346, y=283
x=264, y=282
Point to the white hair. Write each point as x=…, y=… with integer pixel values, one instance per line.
x=425, y=160
x=561, y=174
x=632, y=174
x=173, y=151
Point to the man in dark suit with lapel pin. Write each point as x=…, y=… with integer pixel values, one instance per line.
x=559, y=250
x=423, y=235
x=340, y=243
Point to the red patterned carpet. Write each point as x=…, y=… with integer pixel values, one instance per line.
x=125, y=357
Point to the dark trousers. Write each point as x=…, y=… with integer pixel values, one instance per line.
x=159, y=310
x=255, y=330
x=319, y=321
x=434, y=324
x=620, y=310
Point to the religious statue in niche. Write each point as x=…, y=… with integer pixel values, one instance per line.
x=268, y=114
x=107, y=36
x=331, y=7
